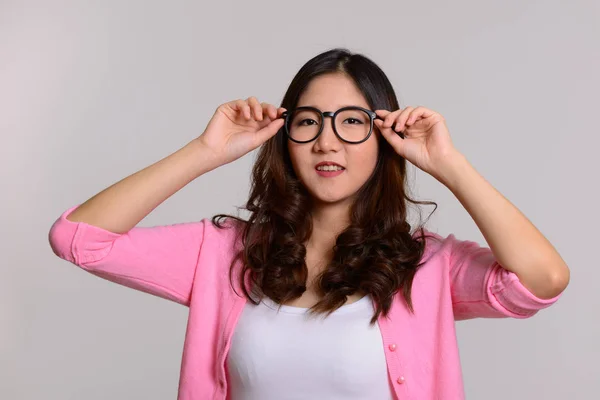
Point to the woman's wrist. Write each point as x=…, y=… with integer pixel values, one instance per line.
x=203, y=158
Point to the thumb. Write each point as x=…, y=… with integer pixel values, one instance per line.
x=270, y=130
x=393, y=138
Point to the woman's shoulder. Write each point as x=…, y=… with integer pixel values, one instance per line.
x=435, y=243
x=224, y=231
x=448, y=246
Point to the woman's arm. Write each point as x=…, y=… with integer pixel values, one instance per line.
x=101, y=235
x=515, y=242
x=236, y=128
x=123, y=205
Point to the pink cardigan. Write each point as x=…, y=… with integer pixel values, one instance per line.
x=189, y=264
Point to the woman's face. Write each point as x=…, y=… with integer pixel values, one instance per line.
x=329, y=93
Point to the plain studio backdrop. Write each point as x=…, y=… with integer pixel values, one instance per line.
x=91, y=92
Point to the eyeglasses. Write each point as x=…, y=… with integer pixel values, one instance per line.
x=351, y=124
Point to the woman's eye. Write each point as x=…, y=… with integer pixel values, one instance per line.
x=353, y=121
x=307, y=122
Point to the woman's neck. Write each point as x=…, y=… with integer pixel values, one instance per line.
x=328, y=222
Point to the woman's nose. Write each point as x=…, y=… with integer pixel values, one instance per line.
x=328, y=140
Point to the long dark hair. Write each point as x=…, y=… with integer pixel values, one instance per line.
x=376, y=254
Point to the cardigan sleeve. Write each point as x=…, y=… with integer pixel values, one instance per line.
x=159, y=260
x=482, y=288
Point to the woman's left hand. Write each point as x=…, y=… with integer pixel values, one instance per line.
x=426, y=141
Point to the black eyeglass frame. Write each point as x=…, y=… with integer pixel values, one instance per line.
x=372, y=115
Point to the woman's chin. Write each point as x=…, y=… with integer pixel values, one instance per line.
x=330, y=198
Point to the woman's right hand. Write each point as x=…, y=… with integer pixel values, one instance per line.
x=240, y=126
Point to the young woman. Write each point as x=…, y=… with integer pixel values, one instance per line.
x=326, y=292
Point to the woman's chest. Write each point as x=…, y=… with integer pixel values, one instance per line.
x=274, y=349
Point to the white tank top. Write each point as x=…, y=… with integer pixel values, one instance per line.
x=290, y=355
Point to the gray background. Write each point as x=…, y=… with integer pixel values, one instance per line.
x=93, y=91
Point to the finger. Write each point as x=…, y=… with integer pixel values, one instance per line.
x=401, y=119
x=387, y=130
x=419, y=112
x=257, y=111
x=269, y=110
x=280, y=112
x=394, y=139
x=389, y=119
x=242, y=107
x=269, y=131
x=382, y=113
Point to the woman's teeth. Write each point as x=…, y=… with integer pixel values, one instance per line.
x=329, y=168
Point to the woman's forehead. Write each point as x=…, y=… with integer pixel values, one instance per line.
x=331, y=92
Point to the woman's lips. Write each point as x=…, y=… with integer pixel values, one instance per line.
x=330, y=174
x=329, y=169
